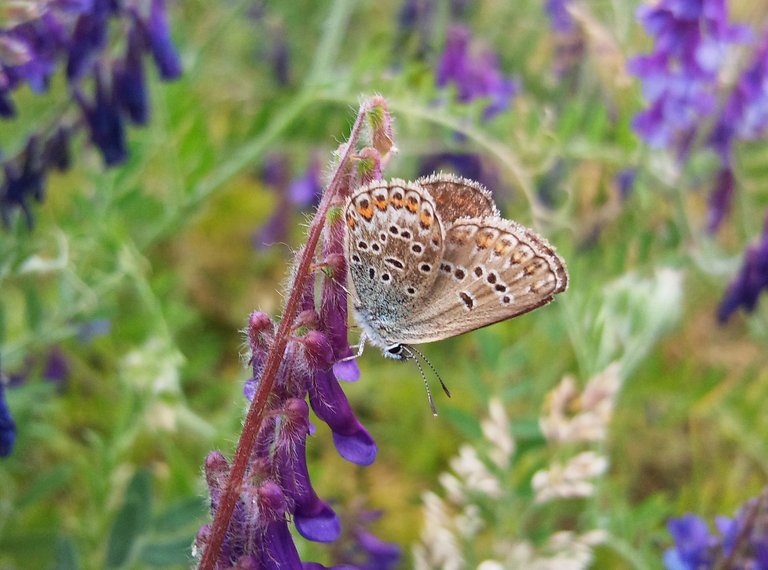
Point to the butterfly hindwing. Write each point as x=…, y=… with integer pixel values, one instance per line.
x=492, y=269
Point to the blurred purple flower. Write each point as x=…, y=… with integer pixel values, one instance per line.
x=560, y=20
x=568, y=37
x=7, y=425
x=158, y=36
x=292, y=195
x=415, y=18
x=78, y=34
x=745, y=113
x=742, y=541
x=475, y=75
x=625, y=181
x=57, y=366
x=751, y=279
x=720, y=199
x=467, y=164
x=92, y=329
x=679, y=78
x=24, y=181
x=105, y=121
x=369, y=552
x=692, y=544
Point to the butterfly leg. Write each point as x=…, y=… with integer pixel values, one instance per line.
x=360, y=346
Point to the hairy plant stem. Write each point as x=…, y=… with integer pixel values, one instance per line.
x=258, y=407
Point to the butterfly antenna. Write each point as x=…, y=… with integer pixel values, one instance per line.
x=410, y=352
x=433, y=369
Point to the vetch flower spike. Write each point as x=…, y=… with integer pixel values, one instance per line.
x=290, y=362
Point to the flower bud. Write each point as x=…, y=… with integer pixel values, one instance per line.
x=380, y=122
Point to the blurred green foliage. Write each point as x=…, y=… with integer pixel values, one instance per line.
x=107, y=467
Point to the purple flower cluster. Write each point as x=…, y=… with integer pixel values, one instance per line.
x=76, y=34
x=475, y=74
x=679, y=78
x=277, y=486
x=744, y=291
x=741, y=542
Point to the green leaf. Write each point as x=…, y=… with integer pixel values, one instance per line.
x=45, y=485
x=166, y=553
x=132, y=519
x=180, y=515
x=66, y=554
x=34, y=308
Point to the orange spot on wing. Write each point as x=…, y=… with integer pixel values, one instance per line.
x=365, y=209
x=425, y=220
x=380, y=203
x=483, y=241
x=351, y=222
x=412, y=204
x=397, y=202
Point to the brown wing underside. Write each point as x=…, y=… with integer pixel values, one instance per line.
x=457, y=197
x=492, y=270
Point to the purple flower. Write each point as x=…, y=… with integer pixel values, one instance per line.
x=24, y=181
x=751, y=279
x=742, y=541
x=692, y=544
x=77, y=35
x=679, y=77
x=7, y=425
x=475, y=75
x=128, y=82
x=105, y=122
x=158, y=34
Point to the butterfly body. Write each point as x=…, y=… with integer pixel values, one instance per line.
x=432, y=259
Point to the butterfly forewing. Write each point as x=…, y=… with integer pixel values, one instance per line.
x=492, y=269
x=394, y=244
x=457, y=197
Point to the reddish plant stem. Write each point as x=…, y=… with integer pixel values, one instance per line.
x=260, y=400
